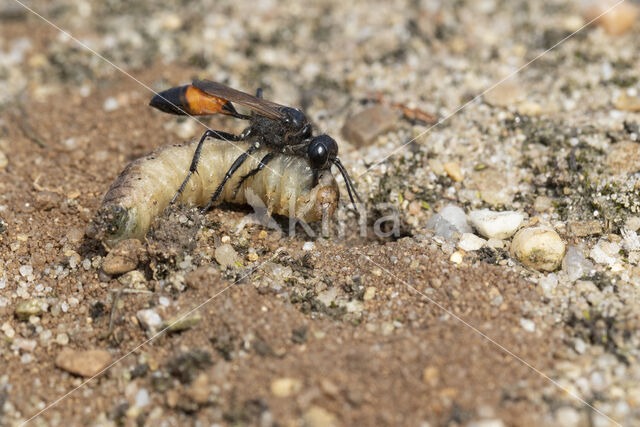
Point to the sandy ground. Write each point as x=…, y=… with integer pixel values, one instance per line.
x=353, y=329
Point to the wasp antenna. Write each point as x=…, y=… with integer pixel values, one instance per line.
x=351, y=189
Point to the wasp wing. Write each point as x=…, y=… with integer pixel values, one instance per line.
x=224, y=92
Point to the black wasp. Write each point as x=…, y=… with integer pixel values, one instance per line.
x=285, y=130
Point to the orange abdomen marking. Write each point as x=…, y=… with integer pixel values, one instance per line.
x=201, y=103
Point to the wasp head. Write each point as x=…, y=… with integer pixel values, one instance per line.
x=323, y=152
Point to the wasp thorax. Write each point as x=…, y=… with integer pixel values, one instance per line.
x=295, y=118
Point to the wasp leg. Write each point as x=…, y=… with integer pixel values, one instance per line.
x=196, y=156
x=234, y=167
x=266, y=159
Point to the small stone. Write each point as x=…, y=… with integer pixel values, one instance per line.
x=575, y=265
x=387, y=328
x=62, y=339
x=495, y=243
x=26, y=309
x=497, y=225
x=624, y=158
x=308, y=246
x=178, y=324
x=316, y=416
x=110, y=104
x=528, y=325
x=490, y=183
x=538, y=248
x=627, y=102
x=505, y=94
x=548, y=283
x=364, y=127
x=585, y=228
x=568, y=417
x=470, y=242
x=326, y=297
x=198, y=391
x=25, y=270
x=75, y=235
x=436, y=166
x=605, y=252
x=449, y=221
x=123, y=258
x=542, y=204
x=85, y=363
x=529, y=108
x=8, y=330
x=457, y=257
x=171, y=22
x=630, y=240
x=149, y=319
x=226, y=255
x=134, y=279
x=142, y=398
x=453, y=170
x=285, y=387
x=22, y=344
x=369, y=293
x=617, y=20
x=579, y=346
x=633, y=223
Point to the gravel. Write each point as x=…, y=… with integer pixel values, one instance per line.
x=558, y=144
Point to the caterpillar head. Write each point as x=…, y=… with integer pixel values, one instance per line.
x=111, y=224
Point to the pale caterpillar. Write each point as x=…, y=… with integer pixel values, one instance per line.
x=146, y=186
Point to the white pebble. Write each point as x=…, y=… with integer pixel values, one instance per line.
x=631, y=240
x=548, y=283
x=495, y=243
x=62, y=339
x=149, y=319
x=449, y=221
x=8, y=330
x=110, y=104
x=164, y=301
x=497, y=225
x=528, y=325
x=568, y=417
x=26, y=270
x=470, y=242
x=226, y=255
x=605, y=252
x=142, y=398
x=308, y=246
x=575, y=265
